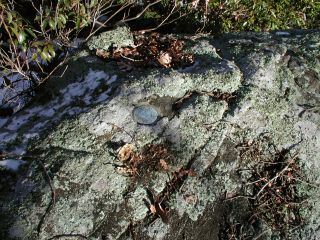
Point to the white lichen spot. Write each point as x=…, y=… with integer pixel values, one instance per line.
x=308, y=129
x=158, y=230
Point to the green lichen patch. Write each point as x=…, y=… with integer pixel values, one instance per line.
x=119, y=37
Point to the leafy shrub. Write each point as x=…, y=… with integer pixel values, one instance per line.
x=218, y=16
x=59, y=22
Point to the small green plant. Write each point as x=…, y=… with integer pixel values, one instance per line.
x=52, y=25
x=216, y=16
x=244, y=15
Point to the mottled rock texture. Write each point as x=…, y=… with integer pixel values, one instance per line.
x=243, y=89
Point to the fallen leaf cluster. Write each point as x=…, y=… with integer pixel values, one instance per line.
x=150, y=51
x=153, y=157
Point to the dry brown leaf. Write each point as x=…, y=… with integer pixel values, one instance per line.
x=165, y=59
x=102, y=53
x=192, y=173
x=153, y=49
x=126, y=152
x=135, y=160
x=161, y=212
x=129, y=171
x=153, y=209
x=177, y=45
x=164, y=165
x=185, y=172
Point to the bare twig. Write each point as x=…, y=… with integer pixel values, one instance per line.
x=164, y=20
x=55, y=68
x=109, y=19
x=261, y=234
x=277, y=175
x=131, y=59
x=142, y=12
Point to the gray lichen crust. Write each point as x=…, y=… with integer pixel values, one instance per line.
x=119, y=37
x=109, y=172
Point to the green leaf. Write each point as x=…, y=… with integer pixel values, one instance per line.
x=67, y=3
x=34, y=57
x=60, y=24
x=78, y=22
x=30, y=31
x=21, y=37
x=24, y=47
x=84, y=23
x=52, y=24
x=37, y=44
x=9, y=17
x=44, y=24
x=14, y=30
x=63, y=19
x=51, y=50
x=82, y=10
x=43, y=56
x=92, y=3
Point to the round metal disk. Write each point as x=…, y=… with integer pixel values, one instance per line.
x=145, y=114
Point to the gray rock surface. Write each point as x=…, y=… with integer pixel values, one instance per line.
x=82, y=143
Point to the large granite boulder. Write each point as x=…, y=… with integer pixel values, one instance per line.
x=227, y=148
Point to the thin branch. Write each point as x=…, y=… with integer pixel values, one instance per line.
x=131, y=59
x=55, y=68
x=261, y=234
x=106, y=21
x=142, y=12
x=164, y=21
x=277, y=175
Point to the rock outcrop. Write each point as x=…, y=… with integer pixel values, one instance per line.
x=227, y=147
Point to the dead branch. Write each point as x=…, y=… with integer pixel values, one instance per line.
x=142, y=12
x=277, y=175
x=108, y=20
x=164, y=20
